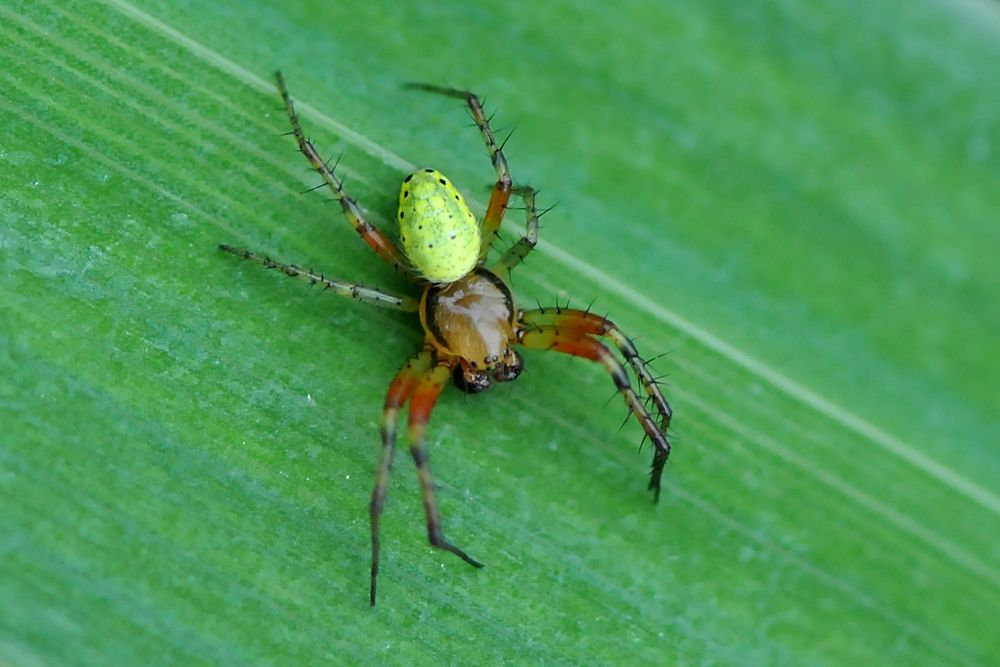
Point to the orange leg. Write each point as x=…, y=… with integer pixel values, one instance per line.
x=424, y=398
x=376, y=240
x=586, y=322
x=579, y=343
x=502, y=188
x=400, y=390
x=494, y=216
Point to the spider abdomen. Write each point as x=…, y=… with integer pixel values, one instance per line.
x=471, y=318
x=440, y=234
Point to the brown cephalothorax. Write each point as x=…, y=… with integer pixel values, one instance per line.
x=471, y=323
x=471, y=319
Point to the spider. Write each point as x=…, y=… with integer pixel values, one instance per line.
x=470, y=321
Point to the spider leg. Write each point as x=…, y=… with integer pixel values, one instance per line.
x=376, y=240
x=517, y=252
x=579, y=343
x=502, y=188
x=425, y=396
x=586, y=322
x=400, y=390
x=350, y=290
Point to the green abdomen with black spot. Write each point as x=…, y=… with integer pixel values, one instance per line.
x=440, y=235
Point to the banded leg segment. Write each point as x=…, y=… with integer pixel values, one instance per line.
x=400, y=390
x=340, y=287
x=376, y=240
x=517, y=252
x=502, y=188
x=576, y=343
x=424, y=398
x=586, y=322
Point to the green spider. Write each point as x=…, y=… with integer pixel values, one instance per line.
x=466, y=309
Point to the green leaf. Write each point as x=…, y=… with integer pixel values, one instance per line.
x=797, y=203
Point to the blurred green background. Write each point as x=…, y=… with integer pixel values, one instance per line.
x=797, y=202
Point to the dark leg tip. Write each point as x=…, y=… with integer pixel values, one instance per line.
x=654, y=486
x=448, y=546
x=466, y=557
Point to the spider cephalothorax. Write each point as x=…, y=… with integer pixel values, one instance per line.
x=468, y=313
x=473, y=320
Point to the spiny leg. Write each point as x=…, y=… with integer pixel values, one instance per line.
x=350, y=290
x=569, y=341
x=424, y=398
x=586, y=322
x=502, y=188
x=400, y=390
x=371, y=235
x=517, y=252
